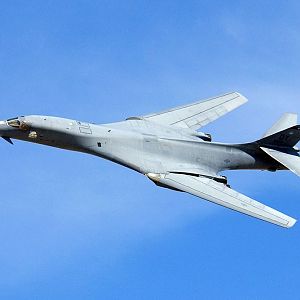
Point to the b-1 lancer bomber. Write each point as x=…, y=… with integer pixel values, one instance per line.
x=170, y=150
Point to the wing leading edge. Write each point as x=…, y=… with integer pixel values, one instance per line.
x=219, y=193
x=198, y=114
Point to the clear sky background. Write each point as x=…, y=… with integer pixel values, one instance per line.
x=74, y=226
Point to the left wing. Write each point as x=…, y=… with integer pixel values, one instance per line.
x=219, y=193
x=198, y=114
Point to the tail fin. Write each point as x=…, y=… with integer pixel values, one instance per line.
x=285, y=133
x=287, y=138
x=280, y=141
x=286, y=121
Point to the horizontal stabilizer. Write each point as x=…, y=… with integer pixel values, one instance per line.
x=198, y=114
x=220, y=194
x=290, y=161
x=286, y=121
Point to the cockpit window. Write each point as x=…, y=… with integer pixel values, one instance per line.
x=17, y=123
x=14, y=123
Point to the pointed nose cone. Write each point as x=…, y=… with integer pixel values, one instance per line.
x=2, y=125
x=4, y=128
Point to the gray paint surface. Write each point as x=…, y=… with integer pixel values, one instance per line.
x=168, y=149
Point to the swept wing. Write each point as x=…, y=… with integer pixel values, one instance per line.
x=198, y=114
x=219, y=193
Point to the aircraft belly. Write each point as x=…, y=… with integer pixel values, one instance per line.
x=125, y=150
x=162, y=155
x=151, y=154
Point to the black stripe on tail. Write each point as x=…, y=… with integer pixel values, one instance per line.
x=287, y=138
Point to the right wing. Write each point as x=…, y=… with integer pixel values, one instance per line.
x=219, y=193
x=198, y=114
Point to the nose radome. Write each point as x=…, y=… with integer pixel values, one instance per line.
x=3, y=125
x=3, y=128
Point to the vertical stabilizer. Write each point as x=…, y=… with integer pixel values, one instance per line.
x=287, y=138
x=280, y=141
x=286, y=121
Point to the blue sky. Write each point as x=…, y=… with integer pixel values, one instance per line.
x=73, y=226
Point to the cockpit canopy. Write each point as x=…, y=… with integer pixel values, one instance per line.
x=18, y=123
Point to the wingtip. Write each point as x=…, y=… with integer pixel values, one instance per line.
x=243, y=98
x=291, y=223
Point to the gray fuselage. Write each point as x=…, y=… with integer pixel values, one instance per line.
x=144, y=146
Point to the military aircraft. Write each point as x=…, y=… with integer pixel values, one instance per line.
x=168, y=148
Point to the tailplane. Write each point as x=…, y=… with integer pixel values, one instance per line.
x=290, y=161
x=280, y=141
